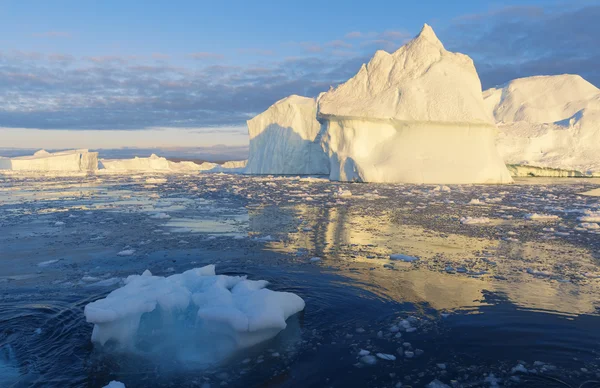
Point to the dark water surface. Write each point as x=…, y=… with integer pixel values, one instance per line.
x=509, y=302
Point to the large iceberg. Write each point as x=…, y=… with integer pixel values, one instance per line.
x=283, y=139
x=65, y=161
x=154, y=163
x=414, y=116
x=205, y=316
x=549, y=125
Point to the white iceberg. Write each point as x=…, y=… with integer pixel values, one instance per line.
x=197, y=312
x=549, y=125
x=283, y=139
x=414, y=116
x=154, y=163
x=64, y=161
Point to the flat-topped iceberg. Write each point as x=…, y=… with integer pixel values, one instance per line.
x=205, y=316
x=153, y=163
x=283, y=139
x=414, y=116
x=64, y=161
x=549, y=125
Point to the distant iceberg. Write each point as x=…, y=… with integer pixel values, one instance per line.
x=154, y=163
x=65, y=161
x=549, y=125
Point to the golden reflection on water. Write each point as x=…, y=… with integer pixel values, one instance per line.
x=358, y=242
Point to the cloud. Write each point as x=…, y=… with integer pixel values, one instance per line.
x=515, y=42
x=255, y=51
x=52, y=34
x=206, y=56
x=338, y=44
x=354, y=35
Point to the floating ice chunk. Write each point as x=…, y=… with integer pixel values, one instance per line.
x=126, y=252
x=518, y=369
x=115, y=384
x=540, y=217
x=59, y=223
x=211, y=316
x=590, y=225
x=475, y=201
x=437, y=384
x=160, y=216
x=387, y=357
x=369, y=360
x=401, y=257
x=474, y=220
x=590, y=216
x=47, y=263
x=363, y=353
x=343, y=193
x=315, y=259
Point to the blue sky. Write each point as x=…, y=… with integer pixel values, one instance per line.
x=189, y=73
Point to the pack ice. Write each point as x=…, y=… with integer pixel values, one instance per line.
x=204, y=316
x=66, y=161
x=283, y=139
x=549, y=125
x=414, y=116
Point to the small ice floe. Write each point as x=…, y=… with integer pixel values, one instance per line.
x=206, y=310
x=38, y=331
x=474, y=220
x=368, y=360
x=387, y=357
x=59, y=223
x=47, y=263
x=115, y=384
x=441, y=188
x=401, y=257
x=126, y=252
x=518, y=369
x=535, y=272
x=540, y=217
x=437, y=384
x=475, y=201
x=590, y=225
x=156, y=180
x=363, y=352
x=343, y=193
x=264, y=238
x=160, y=216
x=315, y=259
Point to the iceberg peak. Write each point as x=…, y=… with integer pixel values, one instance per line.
x=428, y=34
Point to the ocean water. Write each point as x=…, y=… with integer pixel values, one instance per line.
x=511, y=301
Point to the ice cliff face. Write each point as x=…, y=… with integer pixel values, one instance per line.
x=282, y=139
x=413, y=116
x=551, y=124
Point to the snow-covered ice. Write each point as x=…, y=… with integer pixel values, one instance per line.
x=211, y=316
x=154, y=163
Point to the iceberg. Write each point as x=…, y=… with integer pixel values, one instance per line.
x=283, y=139
x=414, y=116
x=65, y=161
x=202, y=315
x=549, y=125
x=154, y=163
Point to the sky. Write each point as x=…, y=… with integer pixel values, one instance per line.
x=111, y=74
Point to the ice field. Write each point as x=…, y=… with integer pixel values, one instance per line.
x=403, y=285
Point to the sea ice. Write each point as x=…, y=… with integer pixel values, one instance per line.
x=203, y=316
x=401, y=257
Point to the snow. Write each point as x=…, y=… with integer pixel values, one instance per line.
x=215, y=315
x=549, y=125
x=283, y=139
x=154, y=163
x=413, y=116
x=65, y=161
